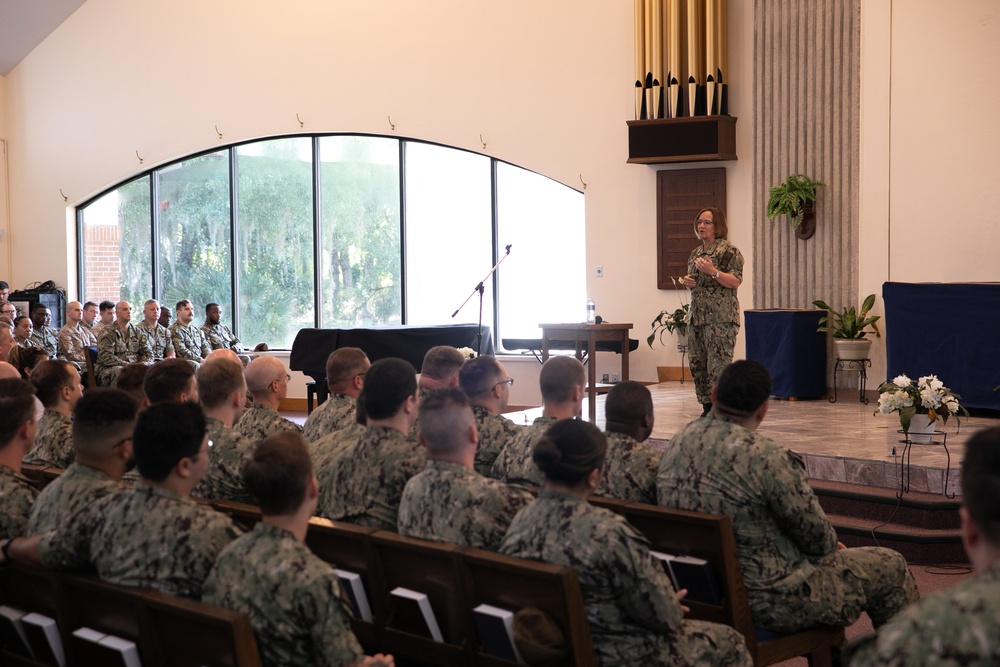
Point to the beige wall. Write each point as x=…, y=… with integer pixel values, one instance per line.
x=546, y=84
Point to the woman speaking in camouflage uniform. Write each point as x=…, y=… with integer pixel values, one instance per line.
x=715, y=270
x=635, y=617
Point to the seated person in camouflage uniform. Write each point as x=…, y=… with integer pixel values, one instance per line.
x=130, y=380
x=57, y=386
x=326, y=449
x=119, y=343
x=364, y=482
x=796, y=573
x=219, y=336
x=449, y=501
x=103, y=422
x=158, y=337
x=958, y=625
x=223, y=393
x=439, y=369
x=562, y=381
x=74, y=338
x=189, y=342
x=44, y=336
x=90, y=313
x=484, y=380
x=7, y=340
x=631, y=466
x=17, y=432
x=152, y=535
x=635, y=616
x=267, y=381
x=292, y=597
x=107, y=313
x=170, y=380
x=345, y=376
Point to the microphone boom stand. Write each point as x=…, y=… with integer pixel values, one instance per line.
x=480, y=289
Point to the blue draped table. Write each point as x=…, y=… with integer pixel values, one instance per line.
x=786, y=341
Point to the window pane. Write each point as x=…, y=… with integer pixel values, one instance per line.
x=194, y=241
x=544, y=280
x=275, y=240
x=117, y=261
x=360, y=257
x=449, y=241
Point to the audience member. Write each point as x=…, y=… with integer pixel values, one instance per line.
x=449, y=501
x=267, y=381
x=17, y=432
x=131, y=379
x=345, y=376
x=157, y=337
x=292, y=597
x=365, y=480
x=4, y=292
x=74, y=338
x=223, y=392
x=630, y=468
x=9, y=371
x=635, y=616
x=103, y=422
x=22, y=332
x=224, y=354
x=90, y=312
x=484, y=380
x=170, y=380
x=7, y=341
x=44, y=336
x=165, y=315
x=796, y=573
x=562, y=381
x=327, y=448
x=439, y=369
x=189, y=341
x=120, y=344
x=218, y=335
x=8, y=310
x=57, y=386
x=958, y=625
x=153, y=535
x=107, y=311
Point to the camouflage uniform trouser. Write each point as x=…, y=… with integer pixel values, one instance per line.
x=710, y=349
x=842, y=585
x=704, y=643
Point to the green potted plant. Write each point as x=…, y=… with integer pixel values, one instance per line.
x=794, y=198
x=920, y=405
x=849, y=328
x=669, y=322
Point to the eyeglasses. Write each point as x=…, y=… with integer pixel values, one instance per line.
x=509, y=382
x=705, y=222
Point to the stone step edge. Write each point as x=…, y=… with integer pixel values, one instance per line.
x=894, y=531
x=885, y=496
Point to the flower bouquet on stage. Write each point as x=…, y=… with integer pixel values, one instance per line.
x=920, y=404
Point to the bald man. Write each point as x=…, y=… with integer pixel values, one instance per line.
x=267, y=381
x=75, y=338
x=158, y=337
x=118, y=344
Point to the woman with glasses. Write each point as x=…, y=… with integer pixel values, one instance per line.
x=715, y=271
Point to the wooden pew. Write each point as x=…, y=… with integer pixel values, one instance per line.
x=31, y=589
x=40, y=475
x=710, y=536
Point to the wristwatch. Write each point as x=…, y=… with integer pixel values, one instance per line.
x=717, y=274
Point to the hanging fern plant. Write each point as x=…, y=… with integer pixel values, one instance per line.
x=789, y=197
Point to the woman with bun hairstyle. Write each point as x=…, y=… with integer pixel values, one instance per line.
x=635, y=616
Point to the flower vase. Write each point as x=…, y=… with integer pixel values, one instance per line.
x=682, y=340
x=921, y=430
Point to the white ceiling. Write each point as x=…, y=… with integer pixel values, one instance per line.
x=24, y=24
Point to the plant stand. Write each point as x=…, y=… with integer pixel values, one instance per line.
x=683, y=349
x=904, y=461
x=859, y=366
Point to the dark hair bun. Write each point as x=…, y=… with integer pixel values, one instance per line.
x=570, y=450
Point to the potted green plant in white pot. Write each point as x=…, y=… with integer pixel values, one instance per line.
x=849, y=328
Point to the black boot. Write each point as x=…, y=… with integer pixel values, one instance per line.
x=707, y=408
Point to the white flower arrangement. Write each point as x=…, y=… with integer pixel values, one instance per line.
x=467, y=352
x=927, y=396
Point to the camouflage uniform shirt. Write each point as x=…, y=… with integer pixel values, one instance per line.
x=324, y=450
x=53, y=442
x=189, y=342
x=711, y=303
x=46, y=338
x=116, y=348
x=514, y=464
x=68, y=495
x=73, y=343
x=634, y=617
x=220, y=337
x=365, y=481
x=144, y=537
x=157, y=337
x=495, y=431
x=337, y=411
x=448, y=502
x=292, y=598
x=956, y=626
x=224, y=478
x=629, y=470
x=261, y=421
x=784, y=540
x=16, y=497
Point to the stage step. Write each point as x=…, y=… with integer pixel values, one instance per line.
x=923, y=527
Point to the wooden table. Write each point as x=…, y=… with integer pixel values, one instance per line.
x=589, y=334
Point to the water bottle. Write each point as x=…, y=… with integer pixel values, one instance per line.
x=591, y=311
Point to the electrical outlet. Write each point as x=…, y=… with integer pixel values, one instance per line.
x=614, y=378
x=604, y=378
x=600, y=272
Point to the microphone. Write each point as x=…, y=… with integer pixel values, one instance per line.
x=598, y=319
x=508, y=248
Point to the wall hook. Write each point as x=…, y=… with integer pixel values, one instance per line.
x=140, y=158
x=301, y=124
x=581, y=180
x=218, y=133
x=391, y=126
x=482, y=141
x=65, y=198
